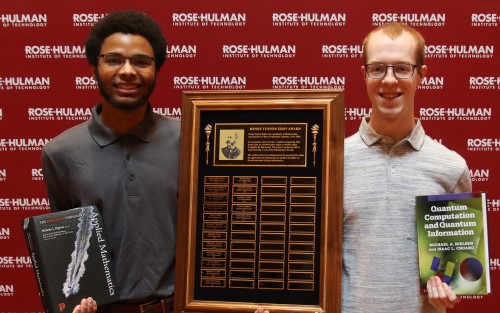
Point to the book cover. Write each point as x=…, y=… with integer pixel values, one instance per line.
x=453, y=241
x=71, y=260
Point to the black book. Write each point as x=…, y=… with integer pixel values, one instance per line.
x=71, y=260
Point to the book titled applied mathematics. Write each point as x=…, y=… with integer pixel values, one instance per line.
x=71, y=260
x=453, y=241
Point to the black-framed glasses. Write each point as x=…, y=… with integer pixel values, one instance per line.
x=401, y=71
x=114, y=60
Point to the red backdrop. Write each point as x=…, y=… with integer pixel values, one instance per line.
x=46, y=85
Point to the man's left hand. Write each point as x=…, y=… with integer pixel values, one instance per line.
x=440, y=294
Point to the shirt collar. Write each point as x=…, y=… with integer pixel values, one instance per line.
x=369, y=136
x=104, y=135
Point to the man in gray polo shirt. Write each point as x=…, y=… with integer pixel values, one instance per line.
x=388, y=162
x=124, y=160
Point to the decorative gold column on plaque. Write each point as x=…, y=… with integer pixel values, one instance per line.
x=314, y=131
x=208, y=131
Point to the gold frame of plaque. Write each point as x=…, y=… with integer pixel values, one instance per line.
x=260, y=201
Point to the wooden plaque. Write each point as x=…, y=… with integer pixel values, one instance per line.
x=260, y=201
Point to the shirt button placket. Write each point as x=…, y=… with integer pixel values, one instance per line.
x=131, y=189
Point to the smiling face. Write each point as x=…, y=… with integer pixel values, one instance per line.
x=125, y=87
x=392, y=98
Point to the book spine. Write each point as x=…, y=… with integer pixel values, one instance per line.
x=102, y=241
x=486, y=241
x=41, y=280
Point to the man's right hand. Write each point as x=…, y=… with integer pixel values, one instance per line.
x=87, y=305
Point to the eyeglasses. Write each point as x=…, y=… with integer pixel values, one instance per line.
x=401, y=71
x=117, y=60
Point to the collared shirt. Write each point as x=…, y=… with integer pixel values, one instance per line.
x=381, y=180
x=133, y=179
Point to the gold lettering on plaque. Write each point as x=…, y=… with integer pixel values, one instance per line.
x=274, y=254
x=215, y=226
x=217, y=189
x=217, y=180
x=215, y=198
x=214, y=235
x=244, y=198
x=244, y=189
x=214, y=254
x=245, y=180
x=214, y=245
x=213, y=273
x=214, y=207
x=208, y=263
x=244, y=208
x=237, y=217
x=215, y=216
x=215, y=283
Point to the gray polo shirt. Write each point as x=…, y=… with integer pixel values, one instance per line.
x=382, y=179
x=133, y=180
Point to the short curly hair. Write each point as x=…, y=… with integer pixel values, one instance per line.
x=127, y=22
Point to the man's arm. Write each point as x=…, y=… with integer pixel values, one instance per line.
x=464, y=183
x=56, y=184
